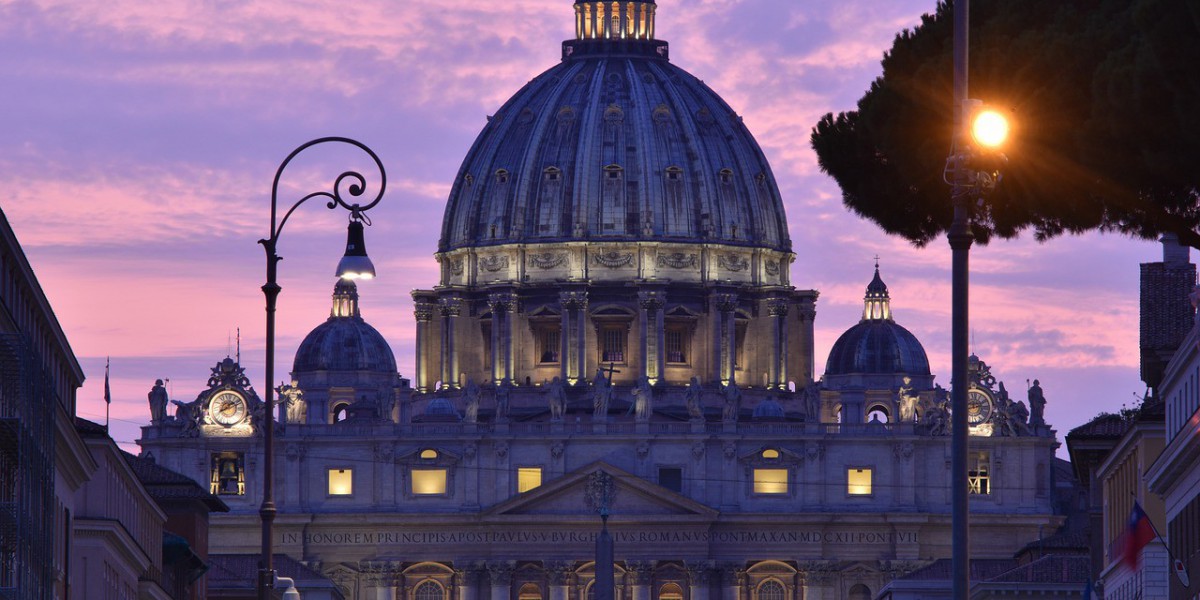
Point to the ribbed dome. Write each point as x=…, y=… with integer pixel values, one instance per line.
x=344, y=342
x=614, y=144
x=877, y=345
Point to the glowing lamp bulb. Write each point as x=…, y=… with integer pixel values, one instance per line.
x=989, y=128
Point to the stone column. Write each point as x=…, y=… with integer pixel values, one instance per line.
x=450, y=309
x=573, y=336
x=777, y=309
x=698, y=578
x=501, y=573
x=559, y=575
x=424, y=314
x=638, y=574
x=466, y=581
x=724, y=336
x=734, y=580
x=806, y=314
x=502, y=305
x=651, y=323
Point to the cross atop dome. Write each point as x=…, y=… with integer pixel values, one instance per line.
x=877, y=303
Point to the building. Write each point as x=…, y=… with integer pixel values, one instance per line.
x=1175, y=475
x=43, y=461
x=614, y=312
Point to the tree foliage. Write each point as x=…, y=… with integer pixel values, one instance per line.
x=1105, y=100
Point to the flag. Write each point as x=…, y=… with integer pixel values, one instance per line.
x=107, y=393
x=1138, y=533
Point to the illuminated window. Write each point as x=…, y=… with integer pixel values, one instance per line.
x=670, y=591
x=429, y=454
x=429, y=482
x=770, y=481
x=228, y=474
x=548, y=340
x=770, y=453
x=771, y=590
x=552, y=173
x=978, y=473
x=612, y=343
x=677, y=343
x=858, y=482
x=674, y=173
x=341, y=482
x=529, y=591
x=528, y=478
x=429, y=590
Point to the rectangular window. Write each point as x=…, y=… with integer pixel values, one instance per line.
x=548, y=344
x=978, y=473
x=528, y=478
x=228, y=474
x=429, y=482
x=858, y=482
x=612, y=343
x=671, y=478
x=770, y=481
x=341, y=482
x=676, y=341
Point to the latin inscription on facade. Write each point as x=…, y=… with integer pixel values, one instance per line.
x=552, y=537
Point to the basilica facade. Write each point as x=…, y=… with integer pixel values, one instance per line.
x=614, y=317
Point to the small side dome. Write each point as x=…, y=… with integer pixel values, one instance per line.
x=440, y=408
x=768, y=409
x=344, y=342
x=877, y=344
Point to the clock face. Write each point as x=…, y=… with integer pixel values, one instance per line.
x=227, y=408
x=979, y=407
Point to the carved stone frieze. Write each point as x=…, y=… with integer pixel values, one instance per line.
x=456, y=266
x=493, y=263
x=732, y=262
x=677, y=260
x=547, y=260
x=771, y=267
x=613, y=259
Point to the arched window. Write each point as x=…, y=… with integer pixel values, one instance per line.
x=879, y=413
x=771, y=590
x=429, y=590
x=529, y=591
x=860, y=592
x=670, y=591
x=340, y=412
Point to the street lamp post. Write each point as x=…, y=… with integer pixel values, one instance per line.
x=972, y=171
x=354, y=265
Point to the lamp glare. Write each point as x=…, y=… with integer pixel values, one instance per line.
x=989, y=128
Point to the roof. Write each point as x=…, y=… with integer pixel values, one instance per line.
x=1102, y=426
x=1055, y=568
x=1067, y=542
x=980, y=569
x=241, y=570
x=877, y=347
x=344, y=342
x=164, y=484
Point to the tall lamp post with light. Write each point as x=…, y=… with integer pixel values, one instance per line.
x=354, y=265
x=972, y=171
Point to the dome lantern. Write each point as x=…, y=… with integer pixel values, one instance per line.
x=628, y=20
x=877, y=304
x=345, y=300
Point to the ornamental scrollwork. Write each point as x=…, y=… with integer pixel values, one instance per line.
x=772, y=268
x=677, y=260
x=456, y=266
x=613, y=259
x=547, y=260
x=493, y=263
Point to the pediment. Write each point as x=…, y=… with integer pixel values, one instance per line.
x=635, y=497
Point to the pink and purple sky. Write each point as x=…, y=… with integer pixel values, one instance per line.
x=140, y=140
